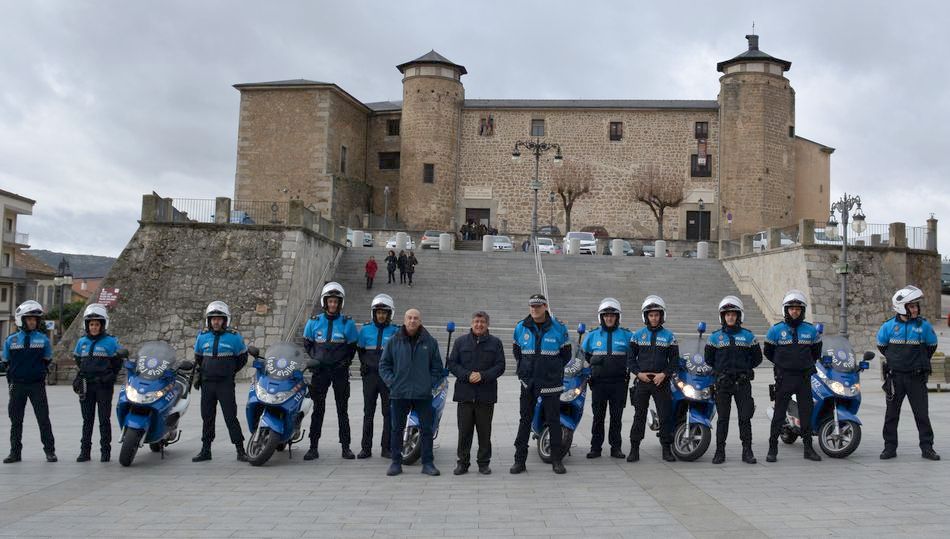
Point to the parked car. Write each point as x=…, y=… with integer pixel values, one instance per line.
x=391, y=244
x=648, y=250
x=547, y=246
x=430, y=239
x=628, y=249
x=367, y=238
x=760, y=241
x=689, y=253
x=599, y=232
x=945, y=278
x=502, y=243
x=549, y=230
x=587, y=239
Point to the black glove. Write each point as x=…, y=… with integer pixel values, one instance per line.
x=197, y=383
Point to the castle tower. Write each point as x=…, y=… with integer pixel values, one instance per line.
x=429, y=135
x=757, y=130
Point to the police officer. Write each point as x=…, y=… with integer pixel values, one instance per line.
x=653, y=355
x=908, y=342
x=330, y=338
x=733, y=353
x=219, y=353
x=373, y=338
x=95, y=355
x=793, y=346
x=606, y=349
x=26, y=358
x=542, y=349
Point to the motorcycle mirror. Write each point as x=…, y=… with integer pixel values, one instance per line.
x=122, y=353
x=868, y=356
x=701, y=327
x=254, y=351
x=186, y=365
x=864, y=365
x=821, y=328
x=258, y=363
x=581, y=328
x=450, y=327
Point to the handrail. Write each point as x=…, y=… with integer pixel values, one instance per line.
x=758, y=296
x=329, y=268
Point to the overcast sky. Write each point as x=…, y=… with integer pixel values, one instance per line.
x=104, y=103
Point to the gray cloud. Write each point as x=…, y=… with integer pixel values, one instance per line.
x=104, y=102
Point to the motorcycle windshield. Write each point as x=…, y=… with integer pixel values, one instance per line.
x=154, y=360
x=283, y=360
x=691, y=353
x=839, y=350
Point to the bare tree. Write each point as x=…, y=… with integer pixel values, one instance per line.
x=658, y=191
x=572, y=180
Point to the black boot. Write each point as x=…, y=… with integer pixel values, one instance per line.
x=517, y=467
x=204, y=454
x=634, y=454
x=364, y=454
x=51, y=456
x=14, y=456
x=772, y=455
x=810, y=453
x=720, y=456
x=616, y=453
x=105, y=455
x=558, y=467
x=312, y=453
x=747, y=456
x=668, y=454
x=347, y=454
x=593, y=454
x=929, y=454
x=888, y=453
x=241, y=453
x=84, y=454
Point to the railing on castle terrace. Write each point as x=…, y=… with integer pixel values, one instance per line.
x=223, y=210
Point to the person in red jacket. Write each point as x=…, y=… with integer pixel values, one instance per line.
x=371, y=268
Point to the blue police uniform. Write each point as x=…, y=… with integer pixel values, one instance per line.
x=27, y=355
x=220, y=355
x=733, y=353
x=653, y=350
x=607, y=349
x=373, y=337
x=331, y=340
x=793, y=346
x=98, y=369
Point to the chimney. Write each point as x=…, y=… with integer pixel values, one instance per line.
x=753, y=42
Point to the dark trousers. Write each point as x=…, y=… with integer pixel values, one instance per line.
x=788, y=383
x=914, y=387
x=604, y=395
x=402, y=276
x=373, y=388
x=727, y=389
x=474, y=416
x=36, y=393
x=369, y=282
x=392, y=275
x=409, y=275
x=399, y=413
x=339, y=377
x=663, y=400
x=213, y=394
x=550, y=407
x=98, y=396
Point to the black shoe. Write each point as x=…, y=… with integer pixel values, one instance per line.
x=593, y=454
x=634, y=453
x=668, y=454
x=747, y=456
x=51, y=456
x=720, y=456
x=430, y=469
x=888, y=454
x=203, y=455
x=312, y=454
x=558, y=467
x=105, y=456
x=929, y=454
x=394, y=469
x=241, y=453
x=386, y=454
x=84, y=455
x=460, y=469
x=364, y=454
x=11, y=458
x=773, y=451
x=616, y=453
x=515, y=469
x=347, y=454
x=810, y=453
x=484, y=469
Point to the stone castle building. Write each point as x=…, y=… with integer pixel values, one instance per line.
x=436, y=159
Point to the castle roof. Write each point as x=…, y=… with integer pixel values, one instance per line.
x=432, y=57
x=281, y=83
x=754, y=55
x=694, y=104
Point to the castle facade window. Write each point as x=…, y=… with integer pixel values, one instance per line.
x=616, y=131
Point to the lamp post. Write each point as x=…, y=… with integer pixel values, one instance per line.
x=551, y=205
x=64, y=277
x=859, y=225
x=702, y=206
x=386, y=207
x=537, y=148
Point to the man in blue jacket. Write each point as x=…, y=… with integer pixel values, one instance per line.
x=96, y=357
x=908, y=342
x=411, y=366
x=606, y=348
x=373, y=338
x=26, y=358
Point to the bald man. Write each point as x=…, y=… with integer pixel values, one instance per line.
x=410, y=367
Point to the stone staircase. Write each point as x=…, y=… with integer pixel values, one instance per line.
x=452, y=285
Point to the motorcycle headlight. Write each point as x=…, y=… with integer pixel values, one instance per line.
x=838, y=388
x=690, y=392
x=570, y=394
x=266, y=397
x=144, y=398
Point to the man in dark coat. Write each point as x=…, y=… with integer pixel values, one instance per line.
x=476, y=360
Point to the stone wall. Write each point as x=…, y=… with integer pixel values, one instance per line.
x=379, y=140
x=350, y=201
x=876, y=273
x=812, y=180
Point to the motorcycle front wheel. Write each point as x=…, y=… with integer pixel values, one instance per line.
x=544, y=443
x=842, y=445
x=690, y=441
x=130, y=446
x=412, y=445
x=261, y=446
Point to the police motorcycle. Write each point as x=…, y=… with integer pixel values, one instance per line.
x=155, y=397
x=694, y=402
x=836, y=391
x=412, y=437
x=576, y=375
x=277, y=402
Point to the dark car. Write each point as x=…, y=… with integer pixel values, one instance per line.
x=628, y=249
x=549, y=230
x=945, y=278
x=600, y=232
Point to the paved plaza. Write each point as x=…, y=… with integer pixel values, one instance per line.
x=860, y=496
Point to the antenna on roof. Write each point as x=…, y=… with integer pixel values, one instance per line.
x=753, y=27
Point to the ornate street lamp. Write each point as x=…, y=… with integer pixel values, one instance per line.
x=858, y=225
x=63, y=279
x=537, y=148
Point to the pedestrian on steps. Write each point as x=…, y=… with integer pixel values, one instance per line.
x=411, y=265
x=391, y=267
x=402, y=262
x=371, y=268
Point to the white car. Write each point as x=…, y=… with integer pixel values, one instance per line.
x=502, y=243
x=760, y=241
x=391, y=244
x=367, y=238
x=546, y=246
x=588, y=242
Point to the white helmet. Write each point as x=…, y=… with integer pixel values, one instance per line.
x=905, y=296
x=28, y=308
x=217, y=308
x=95, y=311
x=332, y=289
x=731, y=304
x=653, y=303
x=607, y=306
x=384, y=302
x=794, y=298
